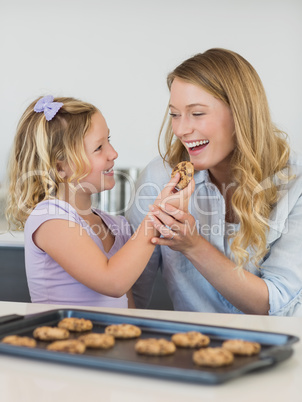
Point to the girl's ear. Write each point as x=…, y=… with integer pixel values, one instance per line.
x=61, y=169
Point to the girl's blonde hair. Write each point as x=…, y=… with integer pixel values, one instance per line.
x=261, y=149
x=39, y=146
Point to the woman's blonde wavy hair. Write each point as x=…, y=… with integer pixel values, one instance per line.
x=261, y=149
x=38, y=147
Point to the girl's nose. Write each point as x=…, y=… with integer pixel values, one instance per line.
x=112, y=153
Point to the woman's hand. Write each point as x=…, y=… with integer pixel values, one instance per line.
x=177, y=228
x=179, y=199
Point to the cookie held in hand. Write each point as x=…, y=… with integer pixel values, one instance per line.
x=186, y=171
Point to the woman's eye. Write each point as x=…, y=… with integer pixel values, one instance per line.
x=198, y=114
x=173, y=114
x=109, y=137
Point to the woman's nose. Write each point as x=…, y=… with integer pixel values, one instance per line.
x=182, y=126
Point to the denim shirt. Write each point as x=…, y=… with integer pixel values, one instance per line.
x=281, y=268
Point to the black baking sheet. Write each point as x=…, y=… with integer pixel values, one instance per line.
x=275, y=347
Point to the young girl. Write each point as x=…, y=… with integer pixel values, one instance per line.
x=74, y=254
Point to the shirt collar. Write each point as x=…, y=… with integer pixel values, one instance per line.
x=202, y=176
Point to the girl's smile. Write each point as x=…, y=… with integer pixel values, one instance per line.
x=109, y=172
x=101, y=155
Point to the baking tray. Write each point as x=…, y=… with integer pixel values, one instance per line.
x=275, y=347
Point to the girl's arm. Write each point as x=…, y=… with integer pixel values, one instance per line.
x=73, y=249
x=245, y=291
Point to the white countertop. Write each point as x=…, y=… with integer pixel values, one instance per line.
x=23, y=380
x=11, y=239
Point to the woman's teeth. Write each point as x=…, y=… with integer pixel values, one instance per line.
x=197, y=143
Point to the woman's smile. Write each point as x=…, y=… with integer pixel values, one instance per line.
x=196, y=146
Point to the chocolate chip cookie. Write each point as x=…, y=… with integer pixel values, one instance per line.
x=155, y=347
x=241, y=347
x=213, y=357
x=191, y=339
x=19, y=341
x=70, y=346
x=75, y=324
x=123, y=331
x=97, y=341
x=50, y=333
x=186, y=170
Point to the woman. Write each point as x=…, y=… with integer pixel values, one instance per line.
x=237, y=250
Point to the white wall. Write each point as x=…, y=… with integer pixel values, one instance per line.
x=117, y=53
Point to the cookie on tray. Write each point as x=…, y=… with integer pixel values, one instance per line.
x=75, y=324
x=155, y=347
x=123, y=331
x=213, y=357
x=191, y=339
x=20, y=341
x=186, y=171
x=97, y=341
x=70, y=346
x=50, y=333
x=241, y=347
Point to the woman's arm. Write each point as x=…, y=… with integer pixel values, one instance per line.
x=245, y=290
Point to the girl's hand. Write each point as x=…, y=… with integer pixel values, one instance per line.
x=177, y=228
x=179, y=199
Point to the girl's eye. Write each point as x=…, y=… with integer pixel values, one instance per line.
x=109, y=136
x=173, y=115
x=198, y=114
x=98, y=148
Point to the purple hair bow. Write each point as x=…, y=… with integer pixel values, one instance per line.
x=48, y=106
